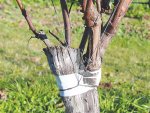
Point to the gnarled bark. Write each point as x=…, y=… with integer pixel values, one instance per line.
x=79, y=92
x=67, y=61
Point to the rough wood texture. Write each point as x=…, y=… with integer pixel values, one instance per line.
x=92, y=19
x=84, y=103
x=66, y=60
x=108, y=35
x=93, y=49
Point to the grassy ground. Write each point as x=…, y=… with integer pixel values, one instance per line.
x=27, y=81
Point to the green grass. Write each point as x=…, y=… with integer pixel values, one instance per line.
x=29, y=84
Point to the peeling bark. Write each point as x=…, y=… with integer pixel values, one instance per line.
x=66, y=61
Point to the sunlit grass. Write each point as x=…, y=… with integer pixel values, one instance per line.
x=27, y=79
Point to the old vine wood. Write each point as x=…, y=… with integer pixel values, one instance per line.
x=77, y=74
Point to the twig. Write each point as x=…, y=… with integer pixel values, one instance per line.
x=71, y=6
x=57, y=38
x=40, y=34
x=24, y=13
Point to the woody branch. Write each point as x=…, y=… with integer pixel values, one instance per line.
x=39, y=34
x=67, y=24
x=93, y=20
x=117, y=16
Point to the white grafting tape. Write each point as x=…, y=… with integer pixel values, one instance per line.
x=97, y=76
x=73, y=84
